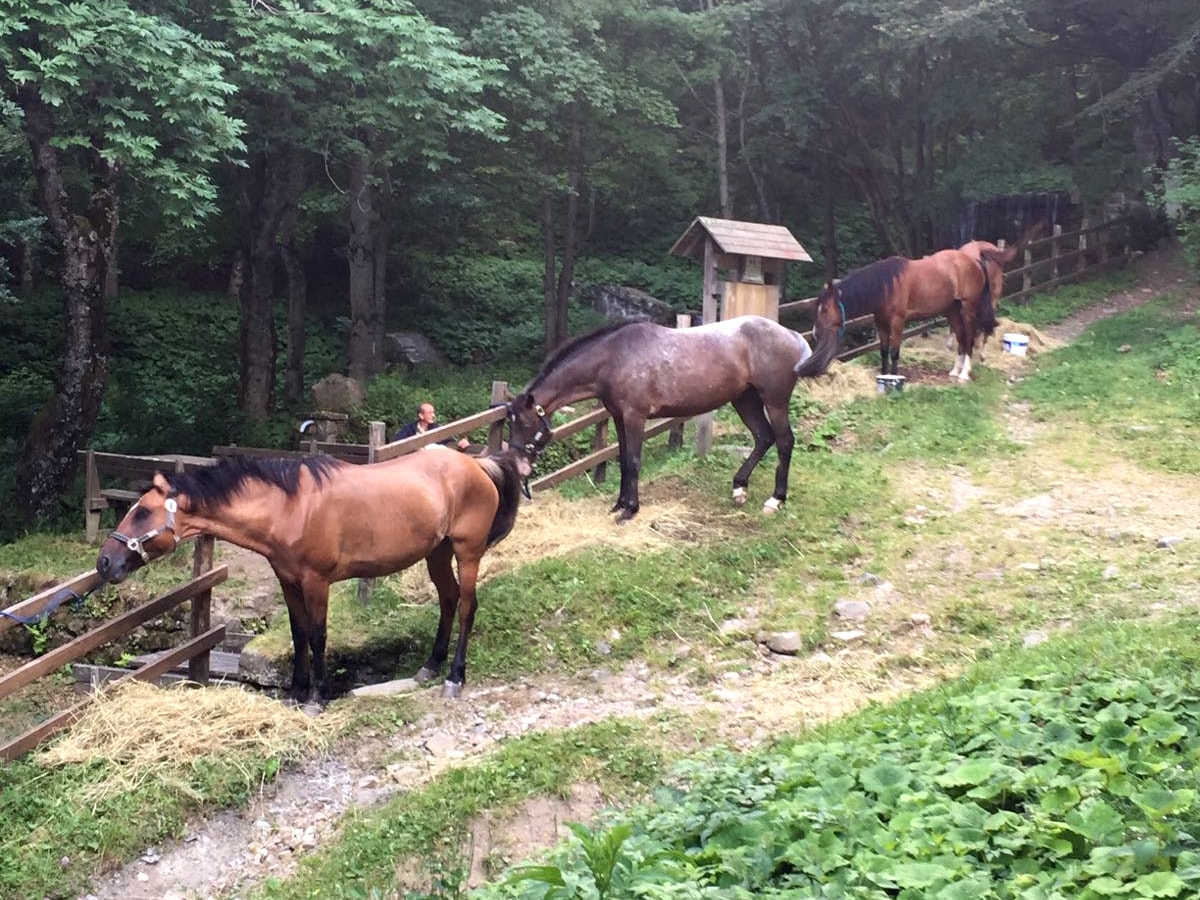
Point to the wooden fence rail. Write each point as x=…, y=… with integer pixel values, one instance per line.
x=203, y=638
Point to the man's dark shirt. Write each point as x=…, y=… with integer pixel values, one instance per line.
x=409, y=429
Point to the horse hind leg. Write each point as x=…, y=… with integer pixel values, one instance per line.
x=441, y=573
x=631, y=464
x=749, y=407
x=468, y=571
x=785, y=440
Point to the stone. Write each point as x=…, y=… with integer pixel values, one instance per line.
x=603, y=648
x=410, y=348
x=1164, y=543
x=257, y=668
x=439, y=744
x=870, y=578
x=1033, y=639
x=1110, y=572
x=788, y=643
x=338, y=393
x=919, y=619
x=852, y=610
x=387, y=688
x=617, y=302
x=847, y=637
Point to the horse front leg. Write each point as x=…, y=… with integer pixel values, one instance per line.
x=958, y=326
x=441, y=573
x=468, y=572
x=316, y=600
x=293, y=595
x=631, y=462
x=749, y=407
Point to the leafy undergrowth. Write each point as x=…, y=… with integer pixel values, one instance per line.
x=1075, y=778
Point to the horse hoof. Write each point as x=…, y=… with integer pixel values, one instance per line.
x=739, y=496
x=424, y=674
x=451, y=690
x=771, y=505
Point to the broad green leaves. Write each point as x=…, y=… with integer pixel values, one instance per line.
x=1047, y=786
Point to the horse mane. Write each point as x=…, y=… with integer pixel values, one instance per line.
x=863, y=290
x=573, y=346
x=215, y=484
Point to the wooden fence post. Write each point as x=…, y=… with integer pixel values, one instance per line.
x=1027, y=275
x=376, y=438
x=496, y=429
x=1054, y=252
x=675, y=435
x=201, y=618
x=1081, y=259
x=91, y=500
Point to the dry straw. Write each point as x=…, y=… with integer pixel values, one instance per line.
x=147, y=733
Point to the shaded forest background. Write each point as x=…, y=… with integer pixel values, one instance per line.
x=209, y=205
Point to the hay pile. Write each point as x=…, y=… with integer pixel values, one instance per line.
x=146, y=733
x=845, y=381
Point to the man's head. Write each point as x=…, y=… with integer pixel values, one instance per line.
x=426, y=414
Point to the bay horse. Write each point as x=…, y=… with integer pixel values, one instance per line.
x=640, y=370
x=897, y=289
x=319, y=520
x=993, y=260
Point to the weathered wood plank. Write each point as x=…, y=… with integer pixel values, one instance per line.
x=80, y=584
x=39, y=733
x=114, y=628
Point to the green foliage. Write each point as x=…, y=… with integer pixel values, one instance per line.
x=1181, y=188
x=152, y=105
x=1075, y=778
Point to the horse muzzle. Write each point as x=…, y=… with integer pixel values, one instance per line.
x=114, y=566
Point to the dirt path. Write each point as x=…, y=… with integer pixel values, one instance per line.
x=225, y=856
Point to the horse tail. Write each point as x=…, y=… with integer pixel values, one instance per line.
x=985, y=314
x=503, y=470
x=1008, y=254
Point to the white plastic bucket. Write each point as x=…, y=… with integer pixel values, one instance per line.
x=1016, y=344
x=889, y=384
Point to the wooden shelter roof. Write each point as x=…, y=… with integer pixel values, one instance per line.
x=741, y=238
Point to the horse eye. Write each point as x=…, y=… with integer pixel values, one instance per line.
x=140, y=514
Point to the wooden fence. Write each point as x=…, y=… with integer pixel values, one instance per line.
x=1045, y=265
x=195, y=651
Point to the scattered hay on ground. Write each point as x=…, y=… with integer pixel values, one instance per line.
x=552, y=526
x=841, y=384
x=147, y=733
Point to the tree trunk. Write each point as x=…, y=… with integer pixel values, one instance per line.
x=267, y=196
x=722, y=148
x=549, y=276
x=65, y=423
x=25, y=266
x=297, y=301
x=366, y=315
x=831, y=247
x=297, y=282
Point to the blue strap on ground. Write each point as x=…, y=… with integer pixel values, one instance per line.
x=57, y=601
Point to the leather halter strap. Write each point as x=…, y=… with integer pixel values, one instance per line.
x=138, y=544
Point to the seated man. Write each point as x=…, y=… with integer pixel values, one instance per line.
x=426, y=419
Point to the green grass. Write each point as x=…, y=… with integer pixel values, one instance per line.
x=1052, y=307
x=48, y=819
x=430, y=825
x=1134, y=377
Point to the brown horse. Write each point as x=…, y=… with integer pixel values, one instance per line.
x=897, y=289
x=641, y=371
x=319, y=520
x=993, y=259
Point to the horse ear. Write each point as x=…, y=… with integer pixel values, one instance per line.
x=161, y=484
x=507, y=395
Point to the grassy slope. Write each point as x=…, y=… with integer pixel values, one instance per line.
x=851, y=512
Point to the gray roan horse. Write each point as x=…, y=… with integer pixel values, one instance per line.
x=641, y=371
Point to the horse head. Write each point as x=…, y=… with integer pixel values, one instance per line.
x=529, y=426
x=829, y=326
x=146, y=533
